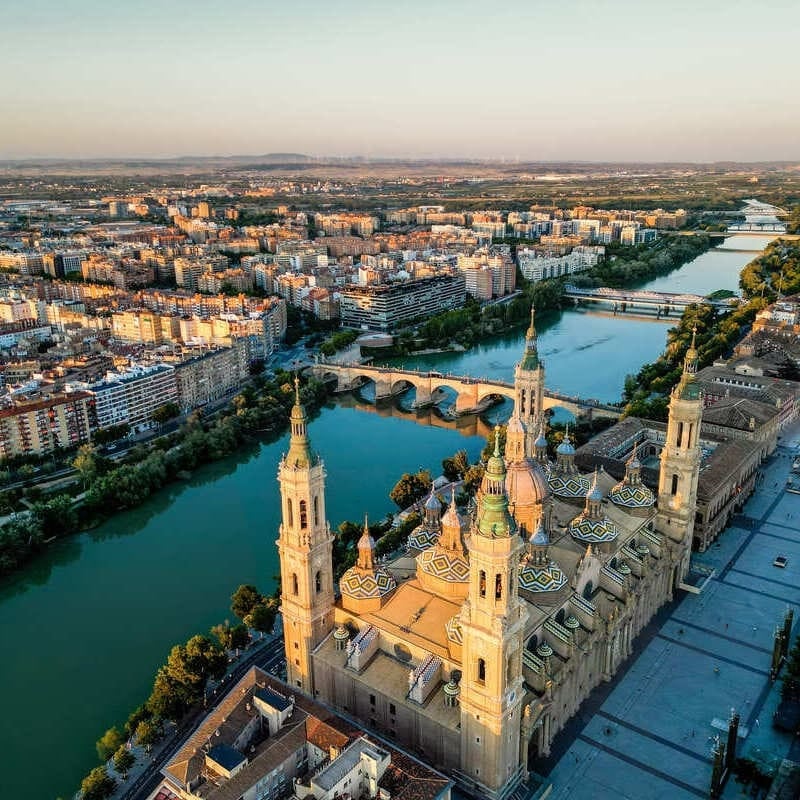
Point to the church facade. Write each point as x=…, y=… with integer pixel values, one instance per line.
x=477, y=645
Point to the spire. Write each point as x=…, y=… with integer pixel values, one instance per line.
x=687, y=389
x=299, y=454
x=515, y=438
x=530, y=360
x=451, y=527
x=366, y=548
x=493, y=517
x=690, y=361
x=594, y=500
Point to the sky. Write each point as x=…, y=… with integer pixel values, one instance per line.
x=588, y=80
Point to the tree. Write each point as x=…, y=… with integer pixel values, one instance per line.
x=244, y=599
x=147, y=733
x=410, y=488
x=123, y=760
x=166, y=412
x=86, y=463
x=239, y=637
x=222, y=633
x=136, y=716
x=108, y=743
x=97, y=785
x=262, y=616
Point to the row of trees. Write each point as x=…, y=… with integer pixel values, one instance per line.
x=179, y=688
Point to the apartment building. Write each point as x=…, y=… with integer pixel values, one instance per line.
x=211, y=375
x=41, y=425
x=538, y=263
x=131, y=397
x=382, y=308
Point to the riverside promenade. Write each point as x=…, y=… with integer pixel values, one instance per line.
x=651, y=735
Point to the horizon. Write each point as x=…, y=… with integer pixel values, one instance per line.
x=586, y=82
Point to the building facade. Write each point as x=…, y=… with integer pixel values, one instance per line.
x=477, y=645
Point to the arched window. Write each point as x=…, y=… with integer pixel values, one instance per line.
x=482, y=584
x=318, y=582
x=680, y=434
x=303, y=514
x=689, y=442
x=674, y=485
x=498, y=586
x=316, y=510
x=295, y=587
x=289, y=514
x=481, y=671
x=587, y=590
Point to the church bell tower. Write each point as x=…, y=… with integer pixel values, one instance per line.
x=529, y=388
x=680, y=461
x=493, y=623
x=305, y=547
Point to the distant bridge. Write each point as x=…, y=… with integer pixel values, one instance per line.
x=622, y=299
x=472, y=394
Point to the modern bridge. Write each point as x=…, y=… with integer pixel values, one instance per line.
x=622, y=299
x=472, y=394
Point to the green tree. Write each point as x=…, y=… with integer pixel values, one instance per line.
x=244, y=599
x=147, y=733
x=108, y=743
x=123, y=760
x=410, y=488
x=86, y=463
x=166, y=412
x=239, y=637
x=135, y=717
x=97, y=785
x=222, y=633
x=262, y=616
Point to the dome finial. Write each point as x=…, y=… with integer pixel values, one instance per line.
x=297, y=389
x=532, y=328
x=496, y=440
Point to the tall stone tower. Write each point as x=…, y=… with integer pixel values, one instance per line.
x=305, y=547
x=680, y=462
x=493, y=624
x=529, y=388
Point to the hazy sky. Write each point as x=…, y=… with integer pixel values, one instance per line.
x=602, y=79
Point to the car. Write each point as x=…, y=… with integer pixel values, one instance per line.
x=780, y=561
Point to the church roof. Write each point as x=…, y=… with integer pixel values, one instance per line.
x=548, y=578
x=365, y=584
x=449, y=565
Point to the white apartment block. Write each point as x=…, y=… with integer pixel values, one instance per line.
x=536, y=267
x=132, y=396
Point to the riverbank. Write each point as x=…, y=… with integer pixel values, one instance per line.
x=762, y=280
x=462, y=329
x=109, y=488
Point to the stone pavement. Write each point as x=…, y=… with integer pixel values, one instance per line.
x=652, y=735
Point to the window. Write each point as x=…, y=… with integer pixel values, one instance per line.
x=477, y=740
x=481, y=671
x=482, y=584
x=296, y=646
x=510, y=669
x=392, y=709
x=674, y=485
x=289, y=514
x=498, y=586
x=303, y=515
x=295, y=587
x=318, y=582
x=689, y=437
x=316, y=510
x=372, y=699
x=680, y=434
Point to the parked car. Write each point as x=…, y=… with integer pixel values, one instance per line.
x=780, y=561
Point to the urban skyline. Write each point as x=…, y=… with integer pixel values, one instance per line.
x=578, y=81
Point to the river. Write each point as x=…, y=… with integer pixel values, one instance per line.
x=86, y=625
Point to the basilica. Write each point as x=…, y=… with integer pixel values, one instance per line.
x=476, y=646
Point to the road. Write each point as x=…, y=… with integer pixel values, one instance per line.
x=267, y=654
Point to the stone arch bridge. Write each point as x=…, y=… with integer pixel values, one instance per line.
x=473, y=395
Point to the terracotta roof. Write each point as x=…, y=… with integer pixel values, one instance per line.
x=736, y=412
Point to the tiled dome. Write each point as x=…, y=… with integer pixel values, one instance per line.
x=548, y=578
x=361, y=585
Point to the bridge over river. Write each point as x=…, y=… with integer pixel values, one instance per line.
x=624, y=299
x=473, y=395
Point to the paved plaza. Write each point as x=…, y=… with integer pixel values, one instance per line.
x=651, y=735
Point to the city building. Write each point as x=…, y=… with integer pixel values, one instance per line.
x=130, y=397
x=264, y=742
x=384, y=307
x=40, y=425
x=211, y=375
x=477, y=645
